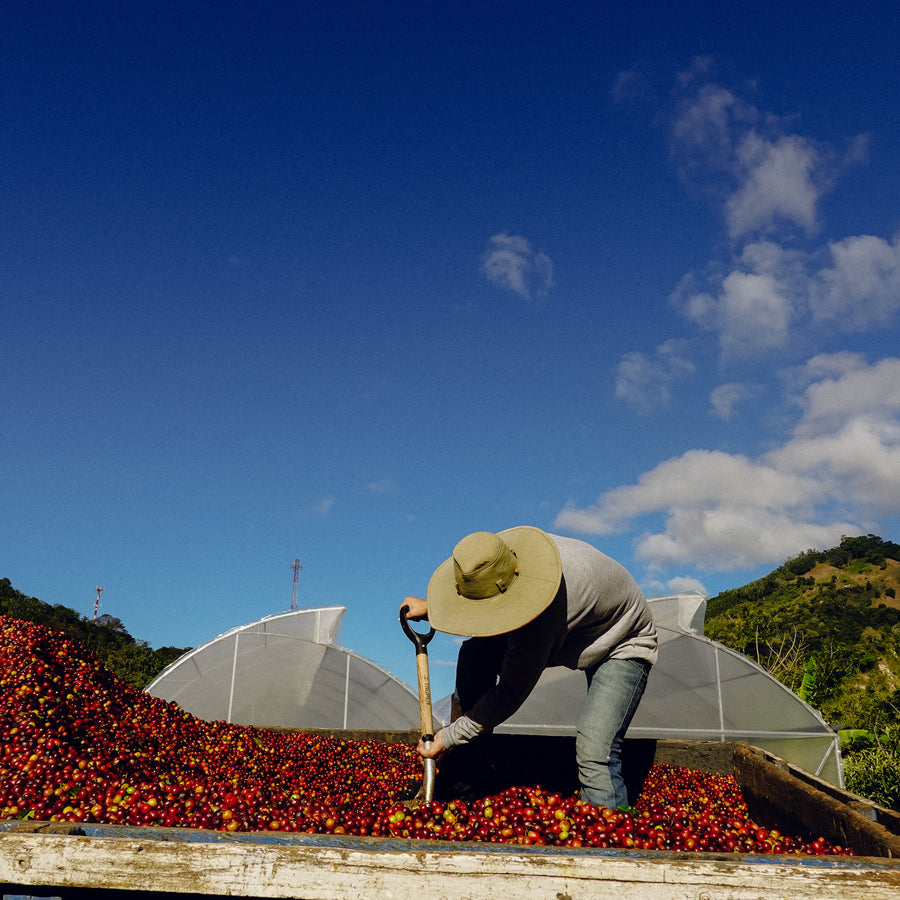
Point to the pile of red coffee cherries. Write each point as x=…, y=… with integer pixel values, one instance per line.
x=77, y=745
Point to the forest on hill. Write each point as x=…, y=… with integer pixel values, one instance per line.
x=827, y=625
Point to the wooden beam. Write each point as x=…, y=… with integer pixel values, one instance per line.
x=321, y=869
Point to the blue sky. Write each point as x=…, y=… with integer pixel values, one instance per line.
x=344, y=283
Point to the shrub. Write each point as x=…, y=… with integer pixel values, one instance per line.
x=875, y=772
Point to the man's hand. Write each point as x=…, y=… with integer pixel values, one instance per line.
x=418, y=608
x=435, y=750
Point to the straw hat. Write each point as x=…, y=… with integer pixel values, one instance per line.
x=494, y=583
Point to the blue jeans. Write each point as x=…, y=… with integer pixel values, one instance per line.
x=615, y=688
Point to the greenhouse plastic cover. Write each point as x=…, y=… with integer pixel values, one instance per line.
x=288, y=670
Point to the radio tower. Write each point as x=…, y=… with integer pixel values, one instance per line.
x=97, y=601
x=296, y=565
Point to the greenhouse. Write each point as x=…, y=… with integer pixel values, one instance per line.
x=288, y=670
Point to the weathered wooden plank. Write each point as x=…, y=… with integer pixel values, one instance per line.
x=363, y=868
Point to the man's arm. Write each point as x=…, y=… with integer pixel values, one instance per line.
x=529, y=650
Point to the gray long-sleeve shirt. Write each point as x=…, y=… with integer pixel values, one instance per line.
x=599, y=613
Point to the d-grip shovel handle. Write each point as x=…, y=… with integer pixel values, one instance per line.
x=421, y=642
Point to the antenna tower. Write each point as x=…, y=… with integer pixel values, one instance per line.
x=100, y=590
x=296, y=565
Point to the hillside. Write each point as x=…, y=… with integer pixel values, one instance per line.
x=130, y=660
x=826, y=624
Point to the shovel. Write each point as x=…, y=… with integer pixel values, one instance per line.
x=421, y=642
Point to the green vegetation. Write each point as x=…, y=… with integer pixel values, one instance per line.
x=827, y=625
x=134, y=662
x=874, y=772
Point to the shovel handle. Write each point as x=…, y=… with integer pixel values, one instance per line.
x=421, y=642
x=424, y=696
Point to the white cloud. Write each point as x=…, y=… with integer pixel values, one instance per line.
x=682, y=584
x=765, y=176
x=728, y=538
x=725, y=398
x=861, y=290
x=847, y=388
x=838, y=471
x=510, y=263
x=859, y=464
x=769, y=182
x=644, y=381
x=775, y=183
x=723, y=511
x=849, y=433
x=769, y=293
x=823, y=366
x=383, y=486
x=751, y=308
x=754, y=314
x=703, y=128
x=696, y=479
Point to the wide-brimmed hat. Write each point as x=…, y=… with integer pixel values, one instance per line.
x=494, y=583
